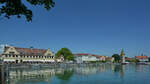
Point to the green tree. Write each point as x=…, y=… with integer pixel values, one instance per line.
x=137, y=60
x=66, y=53
x=116, y=57
x=18, y=8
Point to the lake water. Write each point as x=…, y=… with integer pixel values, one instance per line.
x=102, y=74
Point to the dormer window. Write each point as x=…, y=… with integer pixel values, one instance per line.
x=49, y=55
x=25, y=53
x=32, y=54
x=11, y=53
x=21, y=53
x=38, y=54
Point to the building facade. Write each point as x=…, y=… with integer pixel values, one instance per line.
x=142, y=58
x=13, y=54
x=81, y=58
x=110, y=59
x=101, y=58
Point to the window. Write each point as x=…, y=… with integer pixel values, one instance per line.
x=25, y=53
x=32, y=54
x=5, y=55
x=38, y=54
x=21, y=53
x=49, y=55
x=11, y=53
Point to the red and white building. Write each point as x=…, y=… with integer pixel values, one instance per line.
x=13, y=54
x=142, y=58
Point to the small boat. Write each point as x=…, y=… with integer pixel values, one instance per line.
x=124, y=63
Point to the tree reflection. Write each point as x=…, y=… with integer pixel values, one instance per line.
x=120, y=69
x=65, y=76
x=117, y=68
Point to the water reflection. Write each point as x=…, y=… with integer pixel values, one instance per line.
x=3, y=76
x=26, y=76
x=64, y=75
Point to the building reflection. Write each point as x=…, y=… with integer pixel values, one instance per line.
x=123, y=68
x=25, y=76
x=142, y=68
x=90, y=70
x=34, y=76
x=3, y=75
x=120, y=69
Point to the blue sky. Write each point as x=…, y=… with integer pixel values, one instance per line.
x=85, y=26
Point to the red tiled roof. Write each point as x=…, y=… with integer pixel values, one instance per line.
x=94, y=55
x=141, y=57
x=29, y=51
x=80, y=54
x=86, y=54
x=127, y=58
x=109, y=58
x=99, y=56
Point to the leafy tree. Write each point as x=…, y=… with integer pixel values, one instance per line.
x=66, y=53
x=18, y=8
x=137, y=60
x=116, y=57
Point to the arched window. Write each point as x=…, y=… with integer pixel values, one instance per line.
x=5, y=55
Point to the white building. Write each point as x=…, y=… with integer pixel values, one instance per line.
x=13, y=54
x=142, y=58
x=81, y=58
